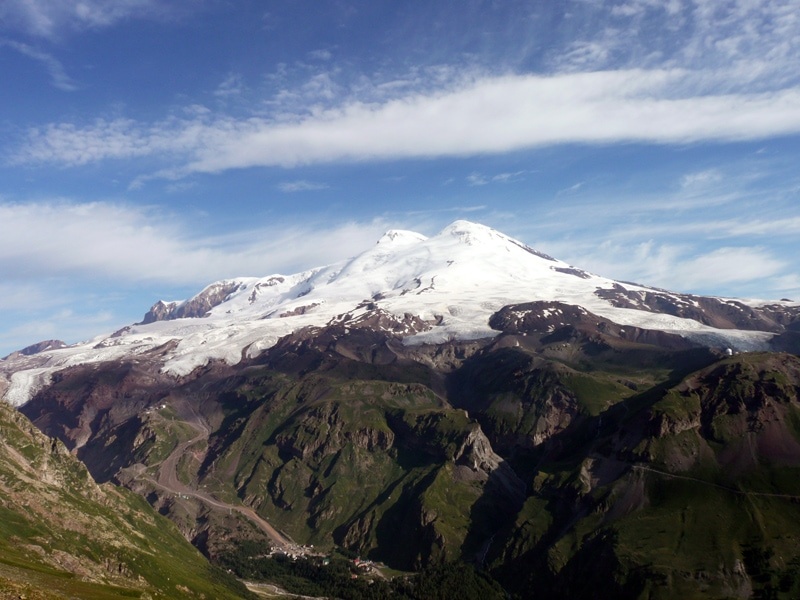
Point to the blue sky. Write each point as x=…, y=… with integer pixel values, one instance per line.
x=149, y=147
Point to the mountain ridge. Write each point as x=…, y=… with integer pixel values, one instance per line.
x=411, y=413
x=454, y=281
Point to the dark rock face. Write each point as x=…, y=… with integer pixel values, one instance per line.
x=160, y=311
x=573, y=271
x=723, y=314
x=40, y=347
x=556, y=321
x=197, y=307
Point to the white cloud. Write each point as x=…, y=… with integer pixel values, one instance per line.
x=508, y=177
x=102, y=140
x=788, y=285
x=488, y=115
x=477, y=179
x=50, y=18
x=58, y=75
x=727, y=265
x=322, y=55
x=573, y=189
x=587, y=55
x=701, y=178
x=56, y=323
x=20, y=295
x=129, y=244
x=180, y=187
x=232, y=85
x=737, y=44
x=777, y=227
x=301, y=186
x=681, y=266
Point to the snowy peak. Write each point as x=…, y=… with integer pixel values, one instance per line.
x=475, y=234
x=398, y=264
x=400, y=237
x=472, y=233
x=443, y=288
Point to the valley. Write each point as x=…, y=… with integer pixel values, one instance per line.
x=431, y=424
x=167, y=479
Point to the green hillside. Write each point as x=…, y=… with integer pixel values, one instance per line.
x=63, y=536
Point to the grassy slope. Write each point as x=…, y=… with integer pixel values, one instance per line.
x=61, y=535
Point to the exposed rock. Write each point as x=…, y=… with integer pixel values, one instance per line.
x=560, y=321
x=476, y=452
x=196, y=307
x=37, y=348
x=573, y=271
x=716, y=312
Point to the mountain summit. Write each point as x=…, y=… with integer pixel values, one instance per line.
x=450, y=285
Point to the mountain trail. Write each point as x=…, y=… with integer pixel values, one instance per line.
x=168, y=477
x=716, y=485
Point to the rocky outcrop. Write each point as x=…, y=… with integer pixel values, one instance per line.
x=716, y=312
x=42, y=346
x=476, y=453
x=37, y=348
x=196, y=307
x=160, y=311
x=557, y=321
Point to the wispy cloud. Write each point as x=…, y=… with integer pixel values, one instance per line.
x=487, y=115
x=20, y=295
x=126, y=243
x=701, y=178
x=475, y=179
x=58, y=323
x=52, y=18
x=727, y=265
x=573, y=189
x=58, y=75
x=680, y=265
x=302, y=186
x=323, y=55
x=232, y=85
x=756, y=40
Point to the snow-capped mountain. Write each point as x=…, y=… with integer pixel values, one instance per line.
x=427, y=290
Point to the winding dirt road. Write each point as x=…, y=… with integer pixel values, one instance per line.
x=712, y=484
x=168, y=477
